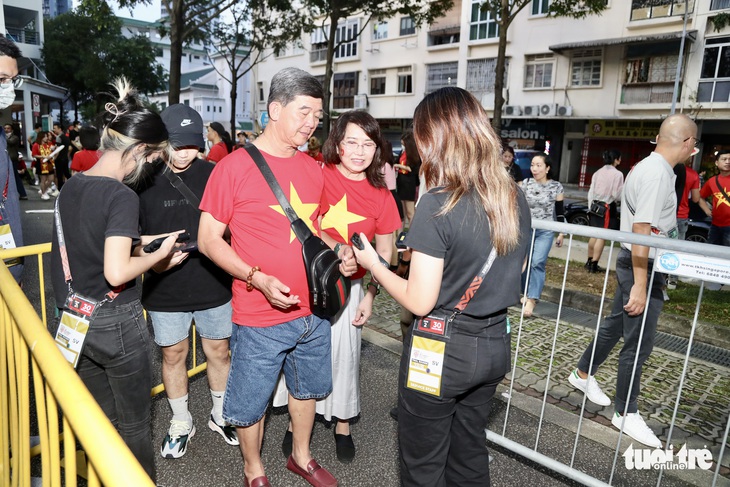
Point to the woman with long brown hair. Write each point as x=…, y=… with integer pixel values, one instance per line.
x=474, y=224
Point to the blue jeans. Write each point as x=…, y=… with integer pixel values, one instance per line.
x=540, y=251
x=115, y=366
x=301, y=346
x=719, y=235
x=619, y=325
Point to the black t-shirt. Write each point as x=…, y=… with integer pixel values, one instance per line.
x=461, y=237
x=92, y=208
x=62, y=157
x=197, y=283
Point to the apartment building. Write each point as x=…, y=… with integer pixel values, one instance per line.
x=22, y=21
x=203, y=78
x=573, y=87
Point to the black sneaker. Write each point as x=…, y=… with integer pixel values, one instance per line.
x=345, y=447
x=588, y=263
x=227, y=431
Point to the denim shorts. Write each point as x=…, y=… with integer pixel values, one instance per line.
x=301, y=346
x=174, y=327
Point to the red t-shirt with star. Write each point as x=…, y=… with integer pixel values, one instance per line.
x=238, y=195
x=720, y=205
x=356, y=206
x=692, y=181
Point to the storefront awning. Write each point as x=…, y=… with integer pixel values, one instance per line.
x=691, y=35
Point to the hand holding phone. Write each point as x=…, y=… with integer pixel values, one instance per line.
x=357, y=243
x=155, y=244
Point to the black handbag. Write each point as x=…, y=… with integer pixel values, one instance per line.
x=328, y=288
x=598, y=208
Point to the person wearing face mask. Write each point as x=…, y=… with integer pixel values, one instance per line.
x=11, y=233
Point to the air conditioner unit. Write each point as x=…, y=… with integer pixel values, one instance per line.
x=512, y=110
x=531, y=110
x=361, y=102
x=565, y=110
x=548, y=110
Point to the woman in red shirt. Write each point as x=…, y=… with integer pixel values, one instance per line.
x=222, y=144
x=85, y=159
x=40, y=152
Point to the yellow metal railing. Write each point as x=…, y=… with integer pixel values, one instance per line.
x=21, y=333
x=28, y=353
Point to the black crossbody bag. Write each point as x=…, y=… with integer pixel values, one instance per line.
x=328, y=289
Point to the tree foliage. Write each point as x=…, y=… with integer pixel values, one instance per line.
x=507, y=11
x=84, y=50
x=326, y=15
x=253, y=33
x=185, y=24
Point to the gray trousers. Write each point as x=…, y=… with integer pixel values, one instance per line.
x=619, y=324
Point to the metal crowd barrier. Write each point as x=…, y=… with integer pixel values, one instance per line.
x=545, y=374
x=29, y=356
x=35, y=376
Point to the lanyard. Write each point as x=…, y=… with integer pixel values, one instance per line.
x=64, y=254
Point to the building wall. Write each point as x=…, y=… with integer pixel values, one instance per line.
x=620, y=109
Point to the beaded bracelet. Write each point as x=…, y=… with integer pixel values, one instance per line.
x=249, y=279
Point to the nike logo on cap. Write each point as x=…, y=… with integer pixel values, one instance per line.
x=186, y=122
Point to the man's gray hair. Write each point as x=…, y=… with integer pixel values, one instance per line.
x=289, y=83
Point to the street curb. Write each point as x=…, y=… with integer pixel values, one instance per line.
x=709, y=333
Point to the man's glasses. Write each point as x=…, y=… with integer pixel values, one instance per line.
x=697, y=141
x=352, y=146
x=16, y=82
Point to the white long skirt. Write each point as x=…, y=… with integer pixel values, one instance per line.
x=344, y=402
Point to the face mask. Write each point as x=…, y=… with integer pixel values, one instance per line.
x=7, y=96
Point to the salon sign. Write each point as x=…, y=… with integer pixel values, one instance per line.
x=700, y=267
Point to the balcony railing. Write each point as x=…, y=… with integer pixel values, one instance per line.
x=637, y=93
x=23, y=36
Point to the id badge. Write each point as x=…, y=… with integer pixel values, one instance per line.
x=8, y=242
x=71, y=335
x=425, y=365
x=76, y=319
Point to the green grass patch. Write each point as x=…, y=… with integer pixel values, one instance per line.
x=683, y=300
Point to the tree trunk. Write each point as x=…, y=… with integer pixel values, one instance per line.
x=234, y=95
x=326, y=103
x=501, y=56
x=177, y=25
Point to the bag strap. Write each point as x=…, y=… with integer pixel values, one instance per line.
x=301, y=230
x=719, y=186
x=179, y=185
x=475, y=283
x=111, y=295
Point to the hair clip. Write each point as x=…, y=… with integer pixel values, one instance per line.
x=114, y=110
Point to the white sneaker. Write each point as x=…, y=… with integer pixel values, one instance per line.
x=635, y=427
x=176, y=441
x=54, y=192
x=590, y=387
x=45, y=196
x=672, y=284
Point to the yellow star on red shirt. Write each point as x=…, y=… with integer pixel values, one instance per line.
x=339, y=218
x=304, y=210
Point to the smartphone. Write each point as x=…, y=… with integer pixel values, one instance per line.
x=189, y=247
x=400, y=242
x=357, y=243
x=155, y=244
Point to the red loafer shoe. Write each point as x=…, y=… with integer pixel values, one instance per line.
x=257, y=482
x=315, y=474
